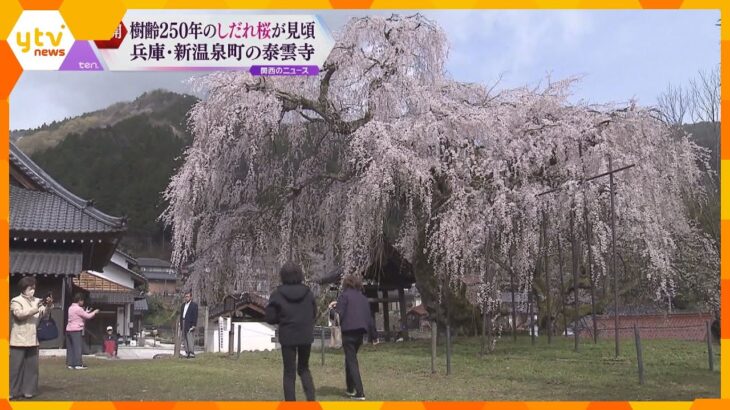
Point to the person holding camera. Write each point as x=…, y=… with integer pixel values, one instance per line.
x=77, y=316
x=26, y=311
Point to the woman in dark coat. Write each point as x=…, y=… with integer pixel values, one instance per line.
x=355, y=320
x=293, y=308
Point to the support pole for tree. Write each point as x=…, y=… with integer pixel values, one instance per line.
x=639, y=356
x=483, y=347
x=531, y=313
x=238, y=345
x=487, y=279
x=512, y=292
x=231, y=336
x=386, y=315
x=206, y=313
x=589, y=268
x=546, y=266
x=574, y=251
x=176, y=332
x=562, y=286
x=434, y=339
x=589, y=233
x=448, y=345
x=321, y=338
x=613, y=256
x=447, y=308
x=710, y=354
x=610, y=173
x=403, y=313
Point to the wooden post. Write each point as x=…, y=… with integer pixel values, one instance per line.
x=487, y=322
x=386, y=316
x=434, y=338
x=321, y=338
x=484, y=329
x=546, y=266
x=205, y=328
x=639, y=358
x=238, y=350
x=403, y=313
x=574, y=252
x=589, y=270
x=531, y=313
x=231, y=335
x=562, y=286
x=176, y=333
x=710, y=354
x=63, y=292
x=448, y=346
x=610, y=173
x=372, y=315
x=613, y=258
x=512, y=292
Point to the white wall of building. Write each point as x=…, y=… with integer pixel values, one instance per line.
x=120, y=260
x=255, y=336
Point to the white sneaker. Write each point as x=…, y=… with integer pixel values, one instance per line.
x=80, y=368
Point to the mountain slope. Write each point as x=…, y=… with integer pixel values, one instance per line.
x=167, y=107
x=125, y=164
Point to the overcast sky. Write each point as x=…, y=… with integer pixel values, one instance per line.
x=619, y=55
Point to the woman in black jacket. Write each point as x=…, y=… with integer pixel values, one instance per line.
x=355, y=320
x=293, y=308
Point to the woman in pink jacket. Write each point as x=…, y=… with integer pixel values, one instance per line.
x=76, y=318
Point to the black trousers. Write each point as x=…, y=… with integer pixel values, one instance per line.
x=351, y=342
x=292, y=367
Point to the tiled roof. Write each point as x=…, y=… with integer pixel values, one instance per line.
x=112, y=298
x=158, y=276
x=76, y=214
x=24, y=262
x=153, y=263
x=37, y=211
x=140, y=305
x=246, y=299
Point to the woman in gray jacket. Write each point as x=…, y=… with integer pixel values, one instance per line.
x=26, y=310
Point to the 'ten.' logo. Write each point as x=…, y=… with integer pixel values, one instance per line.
x=40, y=40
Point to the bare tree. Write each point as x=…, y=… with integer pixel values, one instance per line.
x=705, y=91
x=674, y=104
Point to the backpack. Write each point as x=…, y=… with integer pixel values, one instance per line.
x=47, y=329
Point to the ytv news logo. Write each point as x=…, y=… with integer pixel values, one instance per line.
x=40, y=40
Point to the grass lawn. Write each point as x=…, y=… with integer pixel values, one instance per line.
x=515, y=371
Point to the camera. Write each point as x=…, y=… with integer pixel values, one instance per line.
x=48, y=298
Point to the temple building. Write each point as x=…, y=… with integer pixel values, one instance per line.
x=66, y=243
